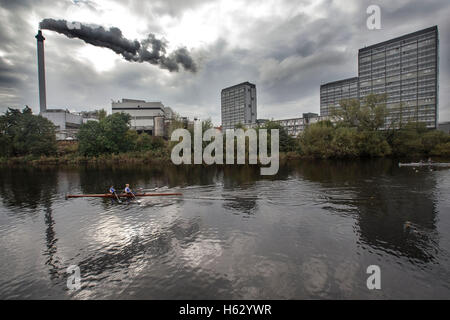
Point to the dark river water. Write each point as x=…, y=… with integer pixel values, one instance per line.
x=309, y=232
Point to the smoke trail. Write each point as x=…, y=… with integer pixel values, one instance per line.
x=150, y=50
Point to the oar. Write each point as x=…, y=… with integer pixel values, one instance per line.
x=117, y=197
x=135, y=198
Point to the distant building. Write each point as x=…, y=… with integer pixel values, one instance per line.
x=332, y=93
x=168, y=113
x=238, y=104
x=145, y=116
x=296, y=126
x=406, y=69
x=66, y=123
x=445, y=127
x=293, y=126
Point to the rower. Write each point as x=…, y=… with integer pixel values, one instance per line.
x=113, y=192
x=130, y=192
x=127, y=189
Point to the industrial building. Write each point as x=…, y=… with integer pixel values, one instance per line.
x=66, y=123
x=406, y=69
x=238, y=104
x=149, y=117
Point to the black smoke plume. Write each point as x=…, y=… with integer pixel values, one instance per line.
x=150, y=50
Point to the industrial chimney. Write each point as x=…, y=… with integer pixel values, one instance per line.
x=41, y=72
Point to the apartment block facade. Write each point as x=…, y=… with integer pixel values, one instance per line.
x=406, y=69
x=332, y=93
x=238, y=105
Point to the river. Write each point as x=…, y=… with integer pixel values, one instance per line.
x=310, y=232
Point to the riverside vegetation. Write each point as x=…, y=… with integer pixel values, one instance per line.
x=359, y=132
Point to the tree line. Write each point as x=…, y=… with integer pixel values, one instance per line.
x=359, y=130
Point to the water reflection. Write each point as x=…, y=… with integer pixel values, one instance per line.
x=383, y=198
x=27, y=187
x=297, y=229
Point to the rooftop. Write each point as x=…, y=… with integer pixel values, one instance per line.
x=240, y=84
x=340, y=81
x=406, y=36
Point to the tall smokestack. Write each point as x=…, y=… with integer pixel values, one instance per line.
x=41, y=71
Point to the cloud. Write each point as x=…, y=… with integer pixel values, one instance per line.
x=286, y=48
x=150, y=50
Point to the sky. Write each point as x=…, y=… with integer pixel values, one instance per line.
x=287, y=48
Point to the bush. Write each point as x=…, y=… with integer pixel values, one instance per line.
x=109, y=135
x=373, y=144
x=316, y=140
x=22, y=133
x=441, y=150
x=344, y=143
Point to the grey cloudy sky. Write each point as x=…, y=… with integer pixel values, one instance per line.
x=287, y=48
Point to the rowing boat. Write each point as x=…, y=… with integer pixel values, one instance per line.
x=424, y=164
x=121, y=195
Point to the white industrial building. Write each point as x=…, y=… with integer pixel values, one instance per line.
x=146, y=116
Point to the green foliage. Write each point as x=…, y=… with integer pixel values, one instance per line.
x=441, y=150
x=144, y=142
x=22, y=133
x=344, y=143
x=358, y=133
x=323, y=140
x=101, y=114
x=372, y=144
x=368, y=116
x=109, y=135
x=316, y=140
x=88, y=137
x=176, y=123
x=287, y=143
x=414, y=139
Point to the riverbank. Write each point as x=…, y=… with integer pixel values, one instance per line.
x=162, y=158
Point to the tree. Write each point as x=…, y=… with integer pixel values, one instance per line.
x=101, y=114
x=22, y=133
x=287, y=143
x=317, y=139
x=348, y=113
x=373, y=113
x=370, y=115
x=88, y=137
x=109, y=135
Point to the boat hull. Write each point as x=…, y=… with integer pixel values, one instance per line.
x=122, y=195
x=424, y=164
